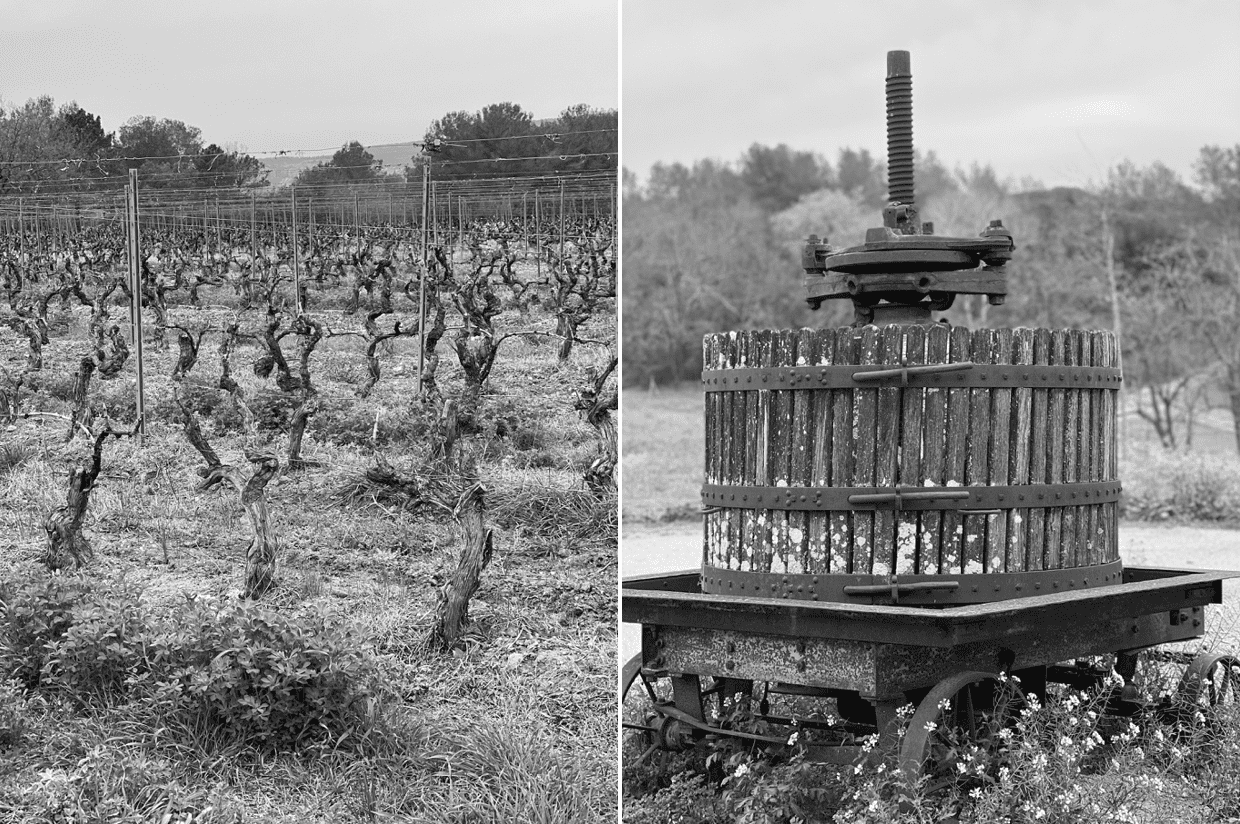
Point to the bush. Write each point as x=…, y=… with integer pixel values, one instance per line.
x=265, y=678
x=34, y=614
x=1173, y=486
x=241, y=671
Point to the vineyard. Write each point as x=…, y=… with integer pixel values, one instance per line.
x=333, y=536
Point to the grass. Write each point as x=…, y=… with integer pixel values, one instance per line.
x=663, y=448
x=518, y=725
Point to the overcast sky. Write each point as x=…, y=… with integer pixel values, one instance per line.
x=293, y=74
x=1059, y=91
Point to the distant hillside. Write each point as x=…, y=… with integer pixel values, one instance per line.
x=284, y=169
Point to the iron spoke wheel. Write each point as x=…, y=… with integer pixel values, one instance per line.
x=1211, y=680
x=960, y=722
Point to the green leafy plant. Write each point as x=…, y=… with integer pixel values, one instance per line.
x=35, y=612
x=241, y=671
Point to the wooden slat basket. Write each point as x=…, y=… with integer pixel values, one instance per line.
x=973, y=466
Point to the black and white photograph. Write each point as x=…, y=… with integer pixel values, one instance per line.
x=930, y=412
x=308, y=412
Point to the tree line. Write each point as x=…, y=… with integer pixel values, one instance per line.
x=499, y=140
x=716, y=246
x=50, y=149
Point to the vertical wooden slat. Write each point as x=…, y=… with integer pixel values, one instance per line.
x=801, y=441
x=1106, y=432
x=754, y=444
x=760, y=544
x=1018, y=449
x=934, y=459
x=864, y=429
x=959, y=350
x=912, y=415
x=728, y=438
x=1113, y=360
x=1092, y=549
x=1083, y=448
x=887, y=451
x=843, y=456
x=1036, y=557
x=714, y=548
x=821, y=353
x=740, y=454
x=977, y=465
x=1000, y=434
x=778, y=447
x=1056, y=558
x=1071, y=471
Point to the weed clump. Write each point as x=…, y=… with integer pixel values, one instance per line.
x=220, y=673
x=12, y=456
x=1064, y=759
x=554, y=512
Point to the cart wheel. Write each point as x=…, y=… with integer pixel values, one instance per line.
x=1211, y=680
x=959, y=721
x=649, y=731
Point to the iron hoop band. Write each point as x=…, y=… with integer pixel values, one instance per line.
x=929, y=376
x=978, y=500
x=908, y=590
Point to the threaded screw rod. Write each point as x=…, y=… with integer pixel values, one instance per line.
x=899, y=127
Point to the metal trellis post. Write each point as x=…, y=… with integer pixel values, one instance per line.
x=296, y=253
x=135, y=305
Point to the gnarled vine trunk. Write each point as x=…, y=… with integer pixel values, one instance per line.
x=476, y=550
x=65, y=542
